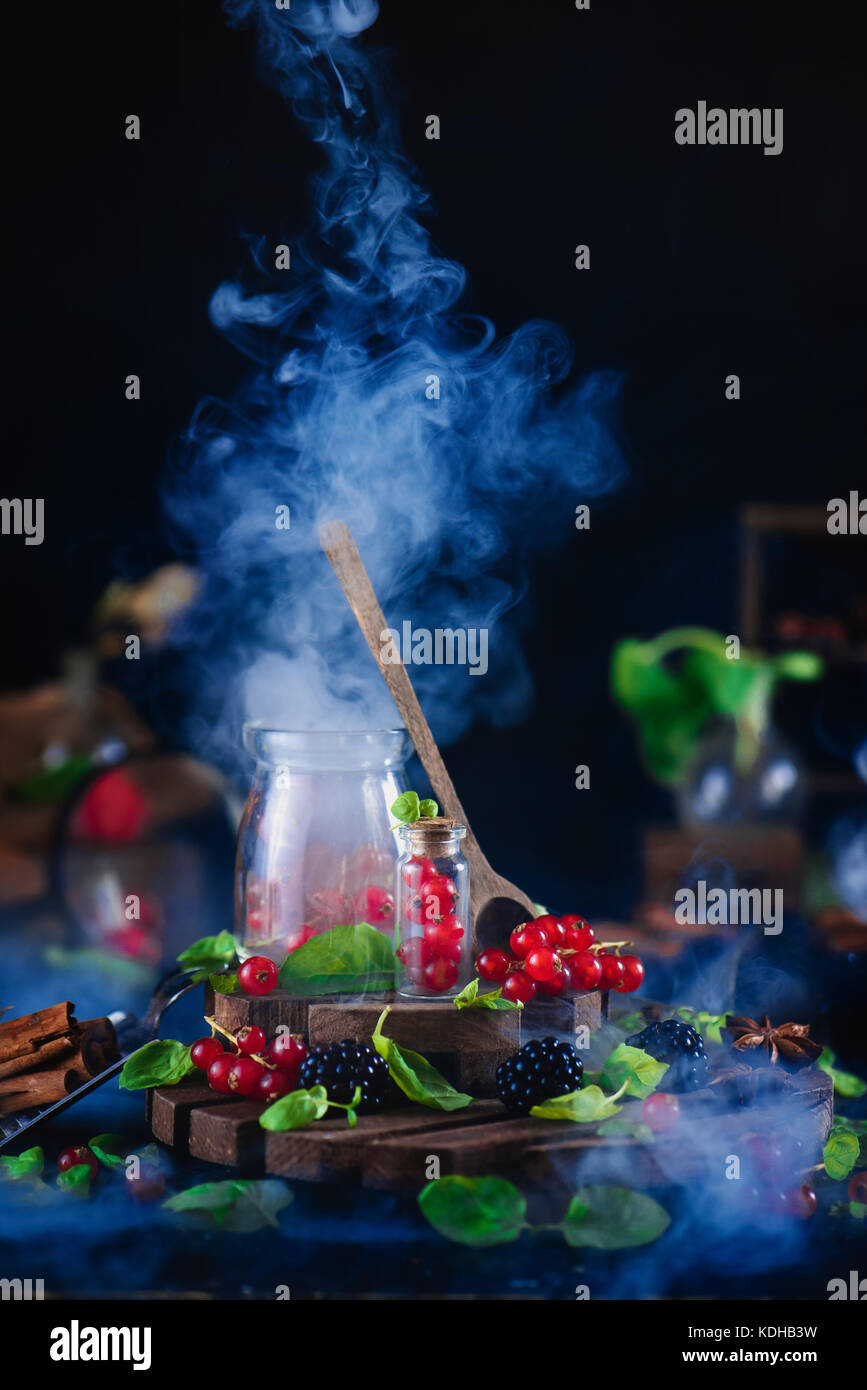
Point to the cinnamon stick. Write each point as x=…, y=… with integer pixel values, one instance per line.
x=90, y=1047
x=22, y=1037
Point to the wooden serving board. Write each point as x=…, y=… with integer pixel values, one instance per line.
x=396, y=1149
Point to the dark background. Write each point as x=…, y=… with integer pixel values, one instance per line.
x=557, y=128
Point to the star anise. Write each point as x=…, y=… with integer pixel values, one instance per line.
x=763, y=1042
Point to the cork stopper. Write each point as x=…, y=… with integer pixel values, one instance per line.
x=432, y=830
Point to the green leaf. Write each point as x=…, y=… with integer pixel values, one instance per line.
x=469, y=998
x=238, y=1204
x=110, y=1149
x=845, y=1082
x=583, y=1107
x=632, y=1065
x=613, y=1218
x=209, y=951
x=708, y=1025
x=858, y=1127
x=76, y=1179
x=620, y=1127
x=629, y=1023
x=225, y=983
x=344, y=960
x=407, y=808
x=414, y=1074
x=163, y=1062
x=295, y=1111
x=840, y=1153
x=428, y=807
x=28, y=1164
x=858, y=1210
x=474, y=1211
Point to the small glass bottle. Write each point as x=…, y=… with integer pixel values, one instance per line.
x=433, y=910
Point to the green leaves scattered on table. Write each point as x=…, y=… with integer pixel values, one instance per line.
x=492, y=1211
x=75, y=1180
x=226, y=983
x=163, y=1062
x=845, y=1082
x=840, y=1153
x=26, y=1166
x=414, y=1074
x=300, y=1108
x=344, y=960
x=474, y=1211
x=110, y=1150
x=209, y=953
x=239, y=1204
x=622, y=1128
x=408, y=809
x=613, y=1218
x=469, y=998
x=633, y=1067
x=587, y=1106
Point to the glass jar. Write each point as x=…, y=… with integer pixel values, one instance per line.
x=433, y=910
x=315, y=846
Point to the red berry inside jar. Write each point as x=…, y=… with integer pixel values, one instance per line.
x=374, y=905
x=417, y=871
x=440, y=975
x=437, y=895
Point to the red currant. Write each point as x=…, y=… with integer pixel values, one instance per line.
x=415, y=953
x=298, y=938
x=440, y=975
x=286, y=1053
x=71, y=1158
x=374, y=904
x=218, y=1071
x=493, y=965
x=519, y=987
x=275, y=1084
x=258, y=975
x=585, y=972
x=612, y=970
x=552, y=927
x=579, y=934
x=150, y=1184
x=245, y=1075
x=414, y=912
x=251, y=1040
x=802, y=1201
x=417, y=871
x=633, y=974
x=544, y=964
x=437, y=895
x=203, y=1052
x=661, y=1111
x=557, y=986
x=526, y=938
x=857, y=1190
x=444, y=941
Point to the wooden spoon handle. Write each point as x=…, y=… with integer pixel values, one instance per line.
x=339, y=546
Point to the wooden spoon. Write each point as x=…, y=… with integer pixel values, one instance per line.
x=496, y=905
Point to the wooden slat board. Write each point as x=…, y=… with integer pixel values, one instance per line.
x=393, y=1149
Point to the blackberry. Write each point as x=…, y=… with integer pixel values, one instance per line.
x=541, y=1068
x=678, y=1044
x=343, y=1066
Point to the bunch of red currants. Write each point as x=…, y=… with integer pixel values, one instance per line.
x=253, y=1067
x=552, y=955
x=430, y=956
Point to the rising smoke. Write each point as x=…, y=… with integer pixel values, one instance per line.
x=446, y=483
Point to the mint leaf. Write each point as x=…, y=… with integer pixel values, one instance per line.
x=224, y=983
x=840, y=1153
x=474, y=1211
x=613, y=1218
x=295, y=1111
x=239, y=1204
x=641, y=1072
x=414, y=1074
x=28, y=1164
x=428, y=807
x=620, y=1127
x=845, y=1082
x=584, y=1107
x=163, y=1062
x=76, y=1179
x=344, y=960
x=469, y=998
x=407, y=807
x=110, y=1149
x=708, y=1025
x=209, y=953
